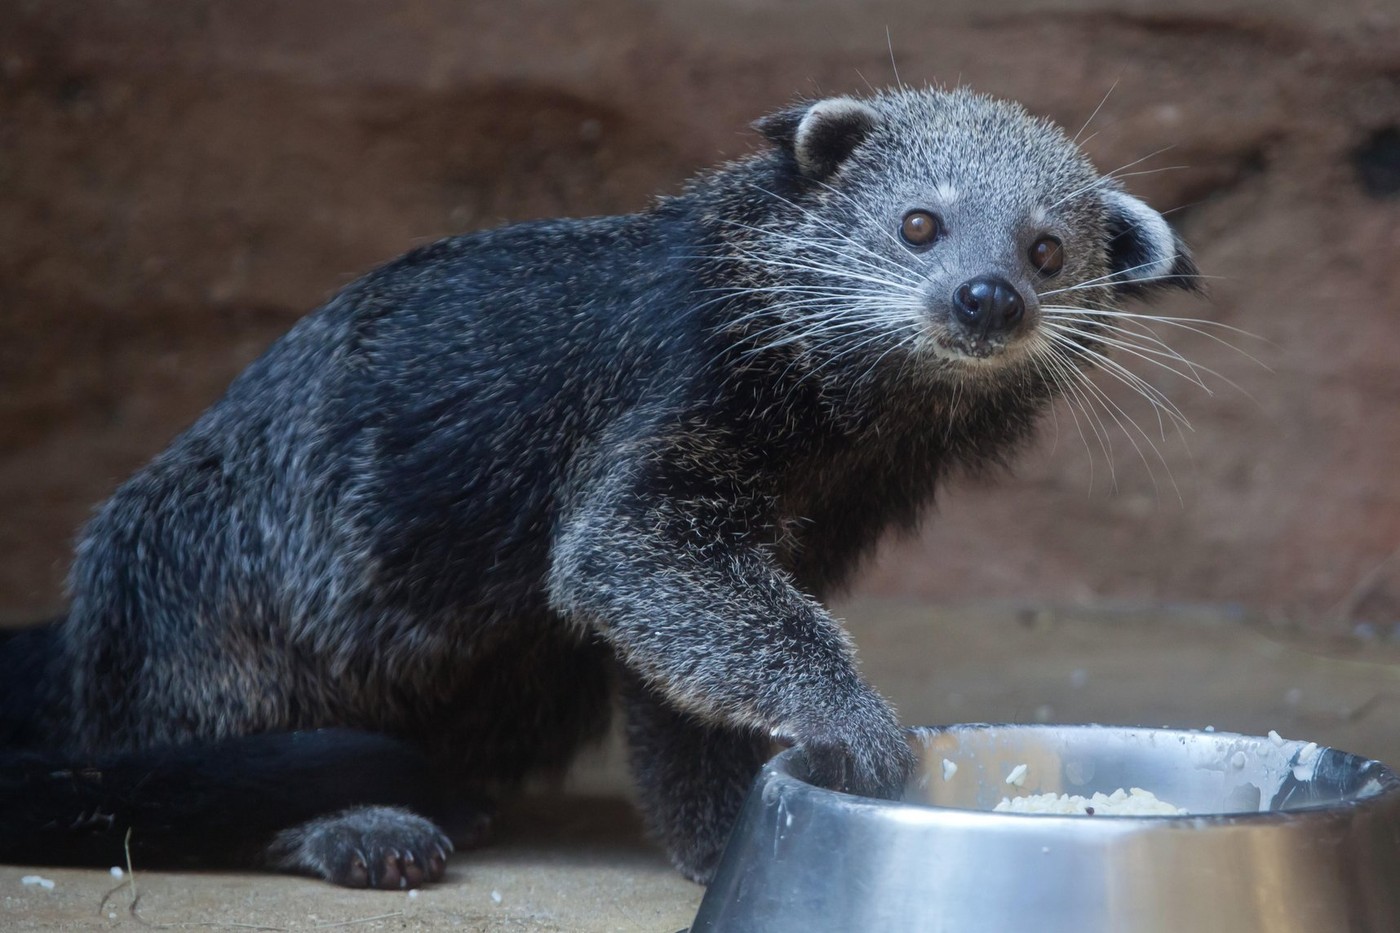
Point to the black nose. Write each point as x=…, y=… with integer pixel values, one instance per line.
x=988, y=303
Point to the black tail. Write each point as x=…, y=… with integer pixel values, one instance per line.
x=29, y=687
x=213, y=805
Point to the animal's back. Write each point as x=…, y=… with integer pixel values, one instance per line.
x=367, y=511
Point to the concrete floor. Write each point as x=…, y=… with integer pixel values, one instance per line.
x=575, y=859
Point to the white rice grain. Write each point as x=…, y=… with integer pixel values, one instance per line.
x=1135, y=802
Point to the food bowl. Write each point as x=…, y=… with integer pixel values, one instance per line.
x=1281, y=837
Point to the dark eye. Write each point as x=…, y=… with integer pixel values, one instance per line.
x=920, y=228
x=1047, y=255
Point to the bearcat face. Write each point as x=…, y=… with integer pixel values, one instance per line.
x=957, y=232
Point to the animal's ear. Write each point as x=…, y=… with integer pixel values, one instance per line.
x=819, y=136
x=1144, y=254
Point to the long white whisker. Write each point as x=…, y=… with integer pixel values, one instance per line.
x=1111, y=407
x=756, y=258
x=864, y=209
x=882, y=265
x=1196, y=369
x=1118, y=415
x=815, y=311
x=1108, y=277
x=1192, y=325
x=901, y=343
x=1050, y=363
x=822, y=222
x=1160, y=403
x=839, y=327
x=844, y=274
x=889, y=41
x=1089, y=328
x=1106, y=177
x=1074, y=381
x=1143, y=353
x=1132, y=342
x=1075, y=140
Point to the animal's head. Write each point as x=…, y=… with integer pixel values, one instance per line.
x=955, y=230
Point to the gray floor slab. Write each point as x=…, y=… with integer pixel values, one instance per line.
x=575, y=858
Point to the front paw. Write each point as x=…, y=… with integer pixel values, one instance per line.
x=868, y=756
x=366, y=847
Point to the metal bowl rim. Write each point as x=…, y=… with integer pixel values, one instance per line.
x=781, y=773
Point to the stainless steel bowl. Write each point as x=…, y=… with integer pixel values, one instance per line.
x=1282, y=838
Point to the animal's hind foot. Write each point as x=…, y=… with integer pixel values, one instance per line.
x=365, y=847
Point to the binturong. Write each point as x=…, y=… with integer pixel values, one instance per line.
x=425, y=543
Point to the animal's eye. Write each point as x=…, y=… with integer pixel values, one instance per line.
x=1047, y=254
x=920, y=228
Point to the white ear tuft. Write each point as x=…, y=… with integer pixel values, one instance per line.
x=1143, y=251
x=822, y=135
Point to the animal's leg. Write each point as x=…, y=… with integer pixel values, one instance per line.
x=714, y=626
x=691, y=777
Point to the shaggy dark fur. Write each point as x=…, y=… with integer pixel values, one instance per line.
x=512, y=474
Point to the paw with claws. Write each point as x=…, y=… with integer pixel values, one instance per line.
x=366, y=847
x=862, y=751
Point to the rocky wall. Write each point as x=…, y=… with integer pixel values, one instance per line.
x=179, y=181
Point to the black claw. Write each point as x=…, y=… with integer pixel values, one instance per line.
x=412, y=872
x=375, y=847
x=357, y=876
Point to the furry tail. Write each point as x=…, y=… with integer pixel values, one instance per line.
x=29, y=685
x=214, y=805
x=218, y=804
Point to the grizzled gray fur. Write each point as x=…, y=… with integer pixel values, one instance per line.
x=514, y=474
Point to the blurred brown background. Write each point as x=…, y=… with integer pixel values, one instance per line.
x=180, y=180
